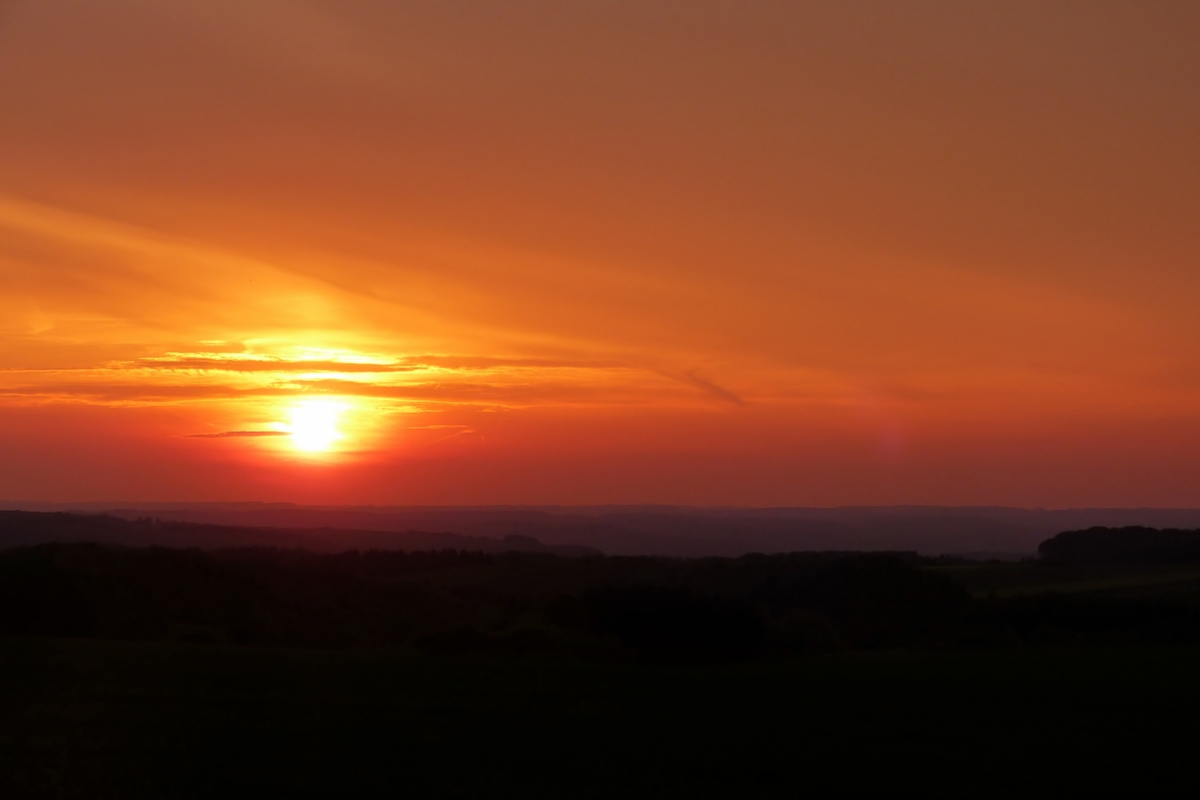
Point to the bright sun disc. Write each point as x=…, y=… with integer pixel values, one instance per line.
x=314, y=424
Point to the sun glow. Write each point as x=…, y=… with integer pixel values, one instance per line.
x=314, y=425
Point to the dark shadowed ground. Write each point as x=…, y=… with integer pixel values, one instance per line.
x=154, y=672
x=105, y=719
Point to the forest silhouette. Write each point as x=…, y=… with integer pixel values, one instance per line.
x=661, y=610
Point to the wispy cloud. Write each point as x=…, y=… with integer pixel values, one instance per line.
x=454, y=379
x=264, y=364
x=236, y=434
x=242, y=362
x=719, y=392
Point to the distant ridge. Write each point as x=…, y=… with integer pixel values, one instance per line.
x=977, y=531
x=18, y=528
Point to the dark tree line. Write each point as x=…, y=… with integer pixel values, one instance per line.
x=654, y=609
x=1133, y=545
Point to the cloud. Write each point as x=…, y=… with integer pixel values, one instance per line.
x=536, y=389
x=260, y=364
x=720, y=393
x=175, y=377
x=460, y=362
x=239, y=362
x=141, y=392
x=235, y=434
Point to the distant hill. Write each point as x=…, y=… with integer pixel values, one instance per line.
x=19, y=528
x=981, y=532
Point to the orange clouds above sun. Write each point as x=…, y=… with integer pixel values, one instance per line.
x=706, y=252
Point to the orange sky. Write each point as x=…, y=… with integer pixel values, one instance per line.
x=745, y=253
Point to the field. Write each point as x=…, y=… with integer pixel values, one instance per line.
x=124, y=719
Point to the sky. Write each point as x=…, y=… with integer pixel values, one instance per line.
x=744, y=253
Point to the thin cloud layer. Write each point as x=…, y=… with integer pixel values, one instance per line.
x=236, y=434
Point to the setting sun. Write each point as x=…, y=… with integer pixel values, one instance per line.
x=314, y=424
x=667, y=252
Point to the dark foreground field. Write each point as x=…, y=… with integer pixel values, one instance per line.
x=126, y=719
x=154, y=672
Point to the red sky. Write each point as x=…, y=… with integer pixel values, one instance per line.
x=744, y=253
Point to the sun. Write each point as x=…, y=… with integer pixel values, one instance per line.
x=314, y=424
